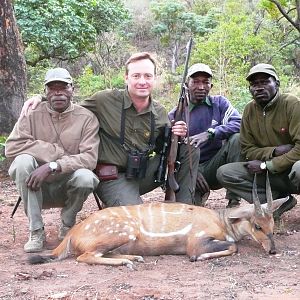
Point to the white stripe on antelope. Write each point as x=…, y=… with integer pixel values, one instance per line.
x=121, y=235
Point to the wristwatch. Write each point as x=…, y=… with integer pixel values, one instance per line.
x=53, y=166
x=263, y=166
x=211, y=133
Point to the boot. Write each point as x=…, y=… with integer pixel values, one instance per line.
x=36, y=241
x=63, y=230
x=233, y=203
x=287, y=205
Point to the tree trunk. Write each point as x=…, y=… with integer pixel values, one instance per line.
x=12, y=69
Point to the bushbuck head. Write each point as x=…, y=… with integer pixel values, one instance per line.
x=258, y=218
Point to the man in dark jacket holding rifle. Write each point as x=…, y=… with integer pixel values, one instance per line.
x=214, y=125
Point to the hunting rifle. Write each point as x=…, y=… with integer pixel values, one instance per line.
x=173, y=164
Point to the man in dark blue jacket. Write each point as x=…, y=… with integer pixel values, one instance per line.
x=214, y=126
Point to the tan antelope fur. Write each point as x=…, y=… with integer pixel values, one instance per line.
x=120, y=235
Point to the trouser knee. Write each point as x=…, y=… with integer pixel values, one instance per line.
x=22, y=166
x=235, y=139
x=294, y=175
x=84, y=179
x=220, y=174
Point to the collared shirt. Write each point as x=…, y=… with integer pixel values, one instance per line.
x=218, y=113
x=107, y=105
x=194, y=105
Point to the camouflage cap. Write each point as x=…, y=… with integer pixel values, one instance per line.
x=58, y=74
x=262, y=68
x=199, y=68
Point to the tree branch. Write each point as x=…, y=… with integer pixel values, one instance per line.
x=285, y=14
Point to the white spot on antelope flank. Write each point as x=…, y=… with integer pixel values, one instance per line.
x=122, y=233
x=132, y=237
x=199, y=234
x=111, y=231
x=98, y=254
x=229, y=238
x=182, y=231
x=97, y=221
x=87, y=227
x=117, y=225
x=94, y=229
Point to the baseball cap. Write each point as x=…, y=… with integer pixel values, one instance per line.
x=262, y=68
x=58, y=74
x=199, y=68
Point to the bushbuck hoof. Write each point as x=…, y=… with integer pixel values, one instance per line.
x=193, y=258
x=139, y=259
x=272, y=251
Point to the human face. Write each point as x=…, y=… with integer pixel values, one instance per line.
x=140, y=79
x=199, y=85
x=263, y=88
x=59, y=95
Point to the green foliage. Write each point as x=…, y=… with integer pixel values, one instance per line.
x=90, y=83
x=2, y=145
x=65, y=29
x=36, y=75
x=236, y=44
x=271, y=8
x=174, y=21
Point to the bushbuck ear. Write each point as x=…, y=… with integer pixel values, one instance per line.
x=245, y=212
x=275, y=203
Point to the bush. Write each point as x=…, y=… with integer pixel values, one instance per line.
x=2, y=145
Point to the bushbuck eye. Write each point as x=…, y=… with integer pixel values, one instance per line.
x=257, y=227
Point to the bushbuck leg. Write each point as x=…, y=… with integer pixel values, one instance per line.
x=118, y=235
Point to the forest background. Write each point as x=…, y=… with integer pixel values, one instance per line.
x=94, y=38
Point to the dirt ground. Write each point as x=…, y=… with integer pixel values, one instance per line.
x=250, y=274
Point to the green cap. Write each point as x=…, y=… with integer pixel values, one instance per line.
x=262, y=68
x=58, y=74
x=196, y=68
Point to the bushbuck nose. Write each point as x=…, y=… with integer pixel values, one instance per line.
x=272, y=248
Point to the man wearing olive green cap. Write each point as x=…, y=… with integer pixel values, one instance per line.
x=270, y=141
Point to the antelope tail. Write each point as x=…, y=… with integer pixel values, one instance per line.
x=39, y=259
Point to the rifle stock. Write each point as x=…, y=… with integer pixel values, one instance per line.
x=172, y=185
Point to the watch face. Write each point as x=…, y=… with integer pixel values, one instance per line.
x=53, y=166
x=263, y=165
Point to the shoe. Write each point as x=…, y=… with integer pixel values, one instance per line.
x=63, y=230
x=36, y=241
x=287, y=205
x=233, y=203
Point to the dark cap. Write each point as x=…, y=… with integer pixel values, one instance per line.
x=58, y=74
x=262, y=68
x=196, y=68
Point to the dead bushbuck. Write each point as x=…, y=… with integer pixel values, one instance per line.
x=120, y=235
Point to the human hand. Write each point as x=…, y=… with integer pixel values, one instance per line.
x=31, y=103
x=282, y=149
x=37, y=177
x=179, y=128
x=202, y=185
x=253, y=166
x=197, y=139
